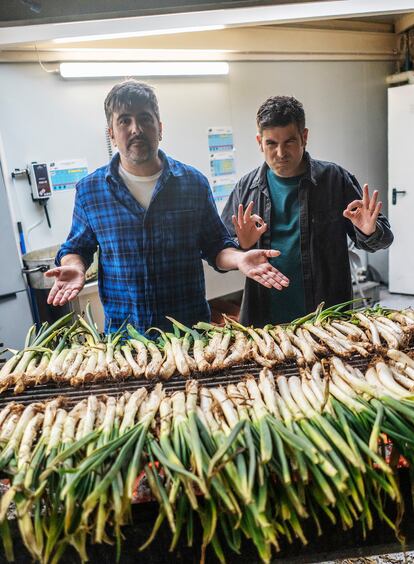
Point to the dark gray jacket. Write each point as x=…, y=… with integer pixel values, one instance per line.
x=324, y=192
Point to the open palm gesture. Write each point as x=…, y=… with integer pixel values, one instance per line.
x=364, y=213
x=69, y=281
x=248, y=227
x=255, y=264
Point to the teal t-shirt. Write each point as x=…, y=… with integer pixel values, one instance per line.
x=289, y=303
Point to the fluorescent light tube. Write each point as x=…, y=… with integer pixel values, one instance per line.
x=167, y=68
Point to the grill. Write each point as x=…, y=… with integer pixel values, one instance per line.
x=110, y=387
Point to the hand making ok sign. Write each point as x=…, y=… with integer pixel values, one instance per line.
x=364, y=213
x=248, y=227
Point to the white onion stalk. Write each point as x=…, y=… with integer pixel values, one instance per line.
x=404, y=320
x=324, y=336
x=369, y=324
x=268, y=390
x=38, y=375
x=9, y=426
x=259, y=359
x=213, y=345
x=69, y=359
x=56, y=432
x=239, y=351
x=359, y=384
x=401, y=357
x=393, y=341
x=230, y=413
x=317, y=348
x=76, y=364
x=350, y=330
x=154, y=365
x=279, y=334
x=137, y=370
x=142, y=353
x=186, y=343
x=168, y=366
x=402, y=379
x=14, y=441
x=179, y=357
x=131, y=409
x=199, y=356
x=394, y=327
x=125, y=370
x=239, y=400
x=303, y=346
x=387, y=380
x=5, y=412
x=271, y=350
x=221, y=350
x=314, y=401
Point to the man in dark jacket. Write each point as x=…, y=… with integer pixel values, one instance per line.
x=306, y=209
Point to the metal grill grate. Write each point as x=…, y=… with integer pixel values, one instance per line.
x=112, y=387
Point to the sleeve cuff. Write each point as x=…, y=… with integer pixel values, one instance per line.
x=378, y=233
x=212, y=258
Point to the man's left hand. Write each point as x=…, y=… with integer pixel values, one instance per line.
x=255, y=264
x=364, y=213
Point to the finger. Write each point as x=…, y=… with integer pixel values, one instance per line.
x=262, y=281
x=256, y=218
x=65, y=298
x=275, y=284
x=58, y=297
x=54, y=290
x=269, y=253
x=248, y=212
x=377, y=211
x=52, y=272
x=73, y=294
x=373, y=201
x=270, y=278
x=365, y=196
x=278, y=276
x=356, y=204
x=240, y=215
x=234, y=222
x=262, y=228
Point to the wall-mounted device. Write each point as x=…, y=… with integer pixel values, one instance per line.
x=38, y=176
x=40, y=181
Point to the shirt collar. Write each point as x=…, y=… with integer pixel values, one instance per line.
x=170, y=166
x=260, y=180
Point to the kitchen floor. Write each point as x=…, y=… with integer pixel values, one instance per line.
x=396, y=301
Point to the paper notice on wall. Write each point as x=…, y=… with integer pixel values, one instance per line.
x=220, y=139
x=66, y=174
x=222, y=163
x=222, y=186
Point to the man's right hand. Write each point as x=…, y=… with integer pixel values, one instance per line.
x=69, y=282
x=248, y=227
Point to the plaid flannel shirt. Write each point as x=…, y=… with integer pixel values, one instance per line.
x=149, y=259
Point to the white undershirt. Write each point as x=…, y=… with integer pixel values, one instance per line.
x=141, y=187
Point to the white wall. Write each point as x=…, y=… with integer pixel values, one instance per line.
x=45, y=118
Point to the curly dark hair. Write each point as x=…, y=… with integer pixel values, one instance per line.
x=126, y=94
x=279, y=111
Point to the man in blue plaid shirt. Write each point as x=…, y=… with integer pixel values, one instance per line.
x=153, y=219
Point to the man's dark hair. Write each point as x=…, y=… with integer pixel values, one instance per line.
x=279, y=111
x=126, y=94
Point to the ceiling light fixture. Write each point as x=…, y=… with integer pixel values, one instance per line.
x=167, y=68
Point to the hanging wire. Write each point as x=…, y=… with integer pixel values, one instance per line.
x=42, y=66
